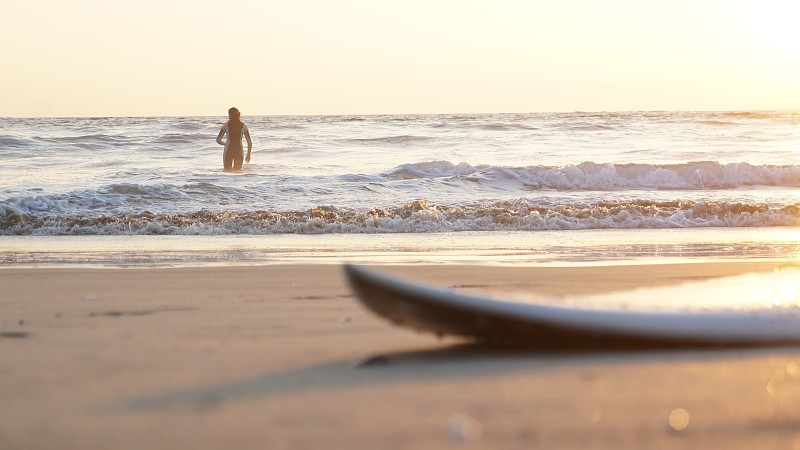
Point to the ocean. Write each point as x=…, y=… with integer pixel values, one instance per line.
x=540, y=188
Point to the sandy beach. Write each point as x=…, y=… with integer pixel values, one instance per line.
x=284, y=357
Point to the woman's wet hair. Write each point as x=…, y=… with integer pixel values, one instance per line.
x=234, y=114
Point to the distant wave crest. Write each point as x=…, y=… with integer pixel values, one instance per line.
x=388, y=140
x=597, y=176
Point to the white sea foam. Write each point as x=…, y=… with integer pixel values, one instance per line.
x=415, y=217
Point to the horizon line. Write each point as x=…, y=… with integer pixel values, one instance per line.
x=415, y=114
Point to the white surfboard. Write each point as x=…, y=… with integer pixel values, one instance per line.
x=754, y=309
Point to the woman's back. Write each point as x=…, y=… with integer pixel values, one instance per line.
x=235, y=134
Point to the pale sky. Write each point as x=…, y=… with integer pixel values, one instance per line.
x=198, y=57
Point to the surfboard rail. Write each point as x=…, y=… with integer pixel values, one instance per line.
x=484, y=319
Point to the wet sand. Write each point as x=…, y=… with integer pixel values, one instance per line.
x=283, y=357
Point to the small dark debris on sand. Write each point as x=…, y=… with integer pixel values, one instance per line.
x=14, y=334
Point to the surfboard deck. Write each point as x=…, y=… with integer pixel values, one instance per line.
x=754, y=310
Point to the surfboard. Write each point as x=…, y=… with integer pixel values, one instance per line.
x=749, y=310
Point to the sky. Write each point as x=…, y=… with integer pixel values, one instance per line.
x=199, y=57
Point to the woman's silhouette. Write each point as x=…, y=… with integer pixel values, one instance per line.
x=233, y=130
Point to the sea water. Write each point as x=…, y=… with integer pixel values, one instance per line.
x=490, y=189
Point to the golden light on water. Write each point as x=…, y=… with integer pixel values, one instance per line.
x=791, y=294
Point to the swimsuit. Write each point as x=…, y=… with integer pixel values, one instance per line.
x=233, y=156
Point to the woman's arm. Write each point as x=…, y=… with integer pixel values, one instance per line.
x=221, y=135
x=249, y=142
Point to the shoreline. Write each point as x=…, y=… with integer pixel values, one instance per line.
x=284, y=357
x=508, y=249
x=389, y=265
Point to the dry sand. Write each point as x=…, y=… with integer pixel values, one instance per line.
x=278, y=357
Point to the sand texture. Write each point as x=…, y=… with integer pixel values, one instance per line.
x=283, y=357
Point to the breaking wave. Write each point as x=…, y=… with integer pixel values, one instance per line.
x=414, y=217
x=597, y=176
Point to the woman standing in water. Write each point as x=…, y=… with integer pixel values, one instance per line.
x=233, y=130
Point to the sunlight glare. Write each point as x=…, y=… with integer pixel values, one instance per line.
x=775, y=22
